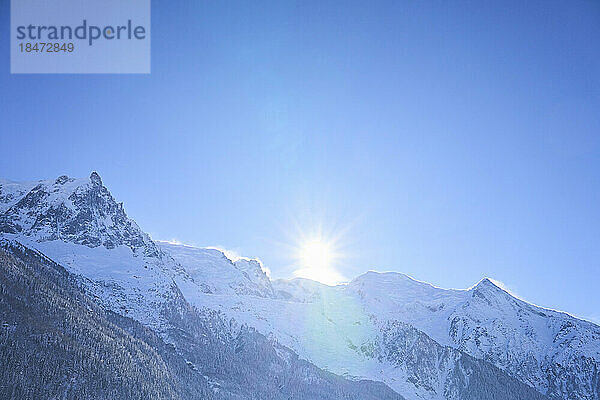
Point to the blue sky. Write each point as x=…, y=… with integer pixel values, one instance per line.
x=447, y=141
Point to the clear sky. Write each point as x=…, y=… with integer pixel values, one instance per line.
x=447, y=140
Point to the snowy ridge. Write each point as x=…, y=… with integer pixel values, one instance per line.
x=214, y=273
x=550, y=351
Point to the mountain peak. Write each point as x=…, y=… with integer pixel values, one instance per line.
x=487, y=289
x=72, y=210
x=95, y=178
x=487, y=284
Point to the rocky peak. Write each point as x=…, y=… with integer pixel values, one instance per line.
x=81, y=211
x=95, y=179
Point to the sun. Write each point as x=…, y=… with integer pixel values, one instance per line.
x=316, y=254
x=317, y=260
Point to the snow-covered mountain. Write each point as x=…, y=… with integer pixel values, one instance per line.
x=344, y=329
x=78, y=224
x=422, y=341
x=337, y=329
x=555, y=353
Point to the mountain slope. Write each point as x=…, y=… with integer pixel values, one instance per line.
x=56, y=343
x=445, y=370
